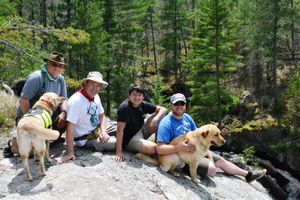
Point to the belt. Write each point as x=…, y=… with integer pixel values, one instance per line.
x=89, y=136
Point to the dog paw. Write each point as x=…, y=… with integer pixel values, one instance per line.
x=196, y=180
x=42, y=173
x=28, y=178
x=174, y=173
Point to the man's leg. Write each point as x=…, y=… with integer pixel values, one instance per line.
x=232, y=169
x=139, y=144
x=96, y=145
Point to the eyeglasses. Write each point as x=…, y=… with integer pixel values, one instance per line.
x=55, y=64
x=179, y=103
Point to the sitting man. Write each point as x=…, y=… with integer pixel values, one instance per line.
x=47, y=79
x=178, y=123
x=86, y=121
x=132, y=132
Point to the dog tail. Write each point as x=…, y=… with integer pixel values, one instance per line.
x=42, y=132
x=144, y=157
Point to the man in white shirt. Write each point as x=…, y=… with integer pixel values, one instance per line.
x=86, y=119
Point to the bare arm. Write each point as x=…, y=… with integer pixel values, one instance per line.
x=104, y=137
x=161, y=112
x=24, y=105
x=166, y=149
x=70, y=144
x=119, y=136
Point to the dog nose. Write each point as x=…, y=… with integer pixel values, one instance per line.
x=224, y=141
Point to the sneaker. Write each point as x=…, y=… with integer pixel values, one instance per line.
x=253, y=176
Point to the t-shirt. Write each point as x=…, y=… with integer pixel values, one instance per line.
x=170, y=127
x=33, y=87
x=133, y=117
x=84, y=114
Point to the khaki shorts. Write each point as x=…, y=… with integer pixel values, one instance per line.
x=140, y=139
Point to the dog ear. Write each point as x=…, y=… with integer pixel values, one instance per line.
x=186, y=140
x=205, y=133
x=51, y=104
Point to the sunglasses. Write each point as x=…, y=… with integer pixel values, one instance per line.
x=179, y=103
x=54, y=64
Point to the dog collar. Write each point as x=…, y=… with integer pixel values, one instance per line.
x=47, y=104
x=42, y=115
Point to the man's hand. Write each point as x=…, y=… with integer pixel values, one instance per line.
x=119, y=157
x=103, y=137
x=183, y=146
x=62, y=159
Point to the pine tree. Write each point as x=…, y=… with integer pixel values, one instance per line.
x=211, y=59
x=173, y=22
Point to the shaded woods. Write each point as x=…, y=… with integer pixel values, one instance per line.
x=237, y=61
x=211, y=50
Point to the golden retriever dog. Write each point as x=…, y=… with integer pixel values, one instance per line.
x=202, y=138
x=32, y=131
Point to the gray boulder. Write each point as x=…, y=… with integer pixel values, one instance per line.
x=94, y=175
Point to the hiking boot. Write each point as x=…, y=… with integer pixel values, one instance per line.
x=253, y=176
x=7, y=153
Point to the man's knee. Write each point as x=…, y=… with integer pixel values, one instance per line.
x=212, y=170
x=221, y=162
x=148, y=147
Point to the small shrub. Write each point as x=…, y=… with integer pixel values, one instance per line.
x=248, y=154
x=2, y=119
x=8, y=104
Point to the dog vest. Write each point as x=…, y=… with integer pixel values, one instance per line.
x=42, y=115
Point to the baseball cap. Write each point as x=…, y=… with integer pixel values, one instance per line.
x=178, y=97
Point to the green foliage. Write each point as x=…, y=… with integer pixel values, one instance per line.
x=285, y=147
x=173, y=24
x=72, y=85
x=20, y=45
x=157, y=91
x=248, y=154
x=71, y=36
x=2, y=119
x=278, y=105
x=211, y=57
x=7, y=112
x=294, y=86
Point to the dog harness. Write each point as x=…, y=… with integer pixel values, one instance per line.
x=42, y=115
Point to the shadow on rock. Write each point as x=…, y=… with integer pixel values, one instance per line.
x=183, y=180
x=19, y=185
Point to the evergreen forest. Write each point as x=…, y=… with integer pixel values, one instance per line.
x=210, y=50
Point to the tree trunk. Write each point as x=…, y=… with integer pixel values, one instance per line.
x=153, y=40
x=274, y=48
x=43, y=17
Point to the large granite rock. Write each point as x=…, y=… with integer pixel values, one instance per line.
x=94, y=175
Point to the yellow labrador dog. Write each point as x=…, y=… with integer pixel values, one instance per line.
x=202, y=138
x=32, y=130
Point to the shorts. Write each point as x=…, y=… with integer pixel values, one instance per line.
x=96, y=145
x=140, y=138
x=203, y=165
